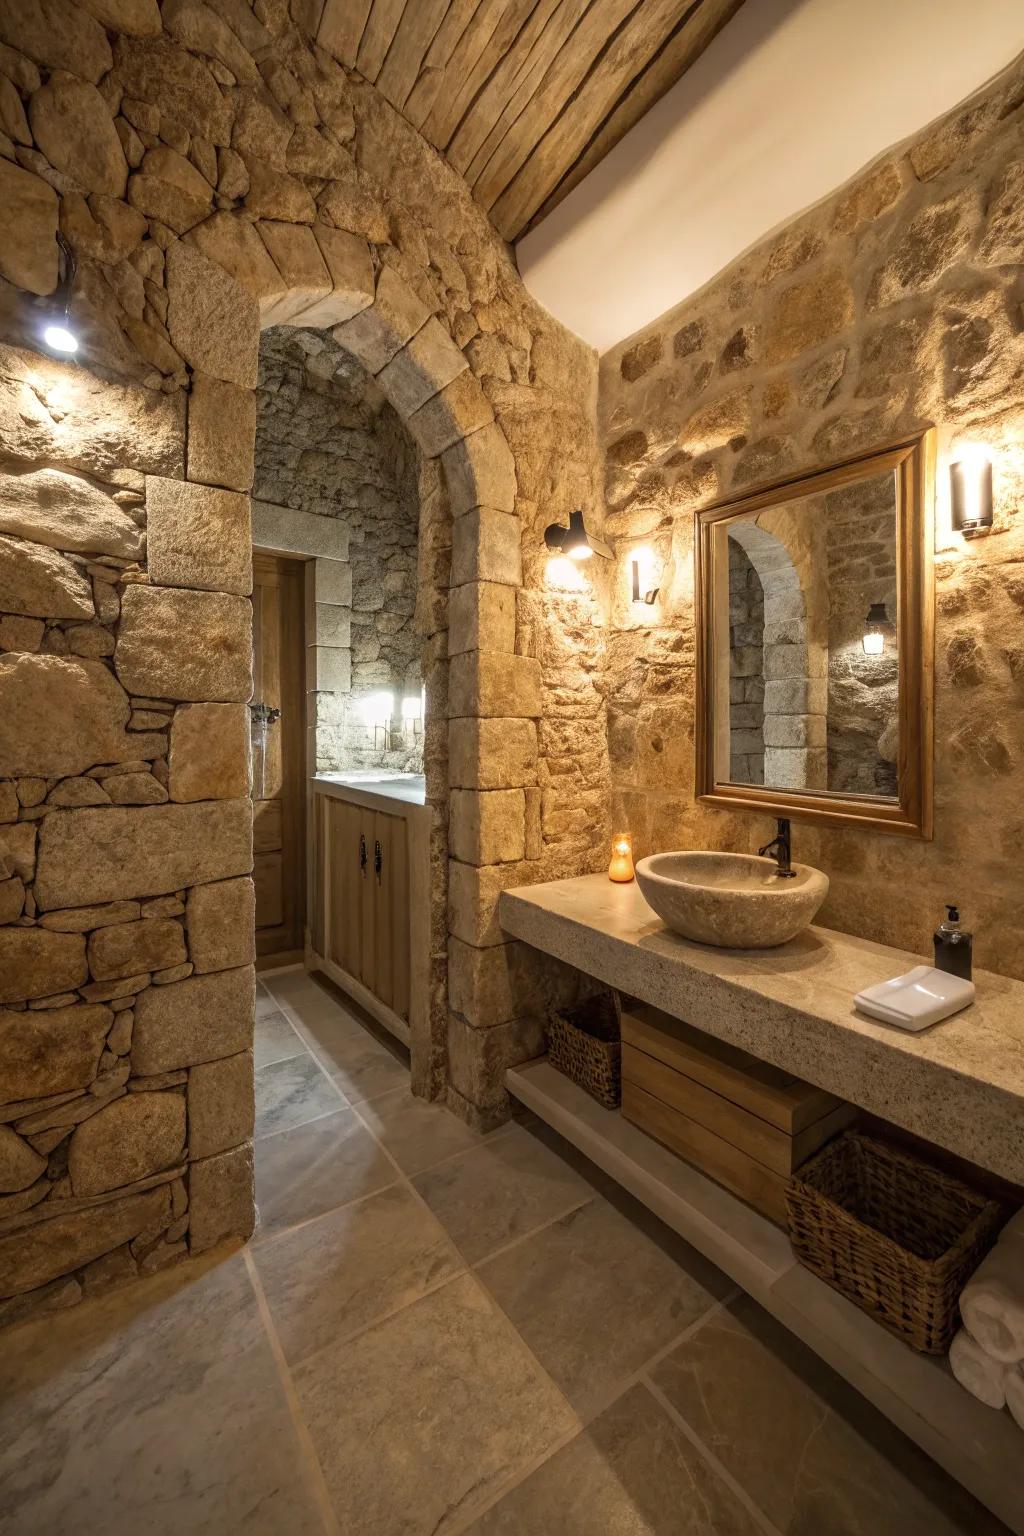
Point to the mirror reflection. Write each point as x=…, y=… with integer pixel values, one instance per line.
x=806, y=664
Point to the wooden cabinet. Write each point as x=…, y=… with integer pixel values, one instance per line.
x=367, y=900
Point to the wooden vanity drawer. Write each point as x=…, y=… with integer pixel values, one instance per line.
x=742, y=1121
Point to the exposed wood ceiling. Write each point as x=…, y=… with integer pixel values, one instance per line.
x=522, y=96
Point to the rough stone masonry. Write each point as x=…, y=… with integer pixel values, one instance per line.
x=214, y=173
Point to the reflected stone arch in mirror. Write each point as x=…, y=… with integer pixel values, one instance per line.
x=814, y=643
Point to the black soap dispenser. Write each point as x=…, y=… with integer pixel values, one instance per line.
x=953, y=946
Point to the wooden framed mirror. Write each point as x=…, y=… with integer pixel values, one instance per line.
x=815, y=608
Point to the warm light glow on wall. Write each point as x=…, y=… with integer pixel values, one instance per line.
x=564, y=575
x=970, y=488
x=644, y=576
x=376, y=709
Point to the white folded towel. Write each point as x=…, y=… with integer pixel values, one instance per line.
x=982, y=1376
x=1013, y=1384
x=992, y=1302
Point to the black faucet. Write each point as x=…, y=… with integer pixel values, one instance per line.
x=779, y=849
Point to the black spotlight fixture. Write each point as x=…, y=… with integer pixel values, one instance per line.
x=970, y=493
x=874, y=630
x=575, y=541
x=57, y=332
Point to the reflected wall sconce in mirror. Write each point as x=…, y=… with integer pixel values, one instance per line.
x=874, y=632
x=574, y=540
x=645, y=586
x=57, y=332
x=970, y=491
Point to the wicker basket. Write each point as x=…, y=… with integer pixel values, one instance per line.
x=584, y=1043
x=895, y=1235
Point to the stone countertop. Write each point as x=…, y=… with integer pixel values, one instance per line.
x=379, y=790
x=959, y=1084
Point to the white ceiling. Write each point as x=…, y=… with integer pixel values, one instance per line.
x=789, y=101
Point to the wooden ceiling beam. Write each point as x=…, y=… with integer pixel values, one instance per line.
x=377, y=36
x=413, y=37
x=341, y=28
x=491, y=34
x=439, y=55
x=506, y=81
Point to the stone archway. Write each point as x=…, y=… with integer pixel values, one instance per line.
x=234, y=278
x=793, y=663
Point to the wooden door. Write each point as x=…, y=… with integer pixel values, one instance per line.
x=279, y=788
x=349, y=874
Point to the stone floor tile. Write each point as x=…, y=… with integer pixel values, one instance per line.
x=415, y=1132
x=291, y=1092
x=314, y=1168
x=350, y=1267
x=264, y=1002
x=501, y=1189
x=275, y=1039
x=423, y=1414
x=597, y=1293
x=362, y=1064
x=809, y=1451
x=631, y=1472
x=156, y=1409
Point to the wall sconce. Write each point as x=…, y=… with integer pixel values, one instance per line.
x=874, y=636
x=412, y=713
x=970, y=491
x=575, y=541
x=644, y=589
x=621, y=867
x=57, y=333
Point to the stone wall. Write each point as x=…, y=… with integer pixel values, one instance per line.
x=746, y=669
x=213, y=174
x=328, y=443
x=894, y=304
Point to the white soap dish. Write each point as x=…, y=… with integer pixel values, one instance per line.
x=917, y=999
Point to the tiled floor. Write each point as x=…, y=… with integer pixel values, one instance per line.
x=437, y=1332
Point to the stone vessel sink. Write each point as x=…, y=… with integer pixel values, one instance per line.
x=734, y=900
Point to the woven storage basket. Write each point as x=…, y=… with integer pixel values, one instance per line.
x=584, y=1042
x=895, y=1235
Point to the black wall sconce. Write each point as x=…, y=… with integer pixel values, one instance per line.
x=57, y=332
x=574, y=540
x=970, y=493
x=874, y=635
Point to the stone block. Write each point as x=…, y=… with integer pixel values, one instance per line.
x=808, y=313
x=490, y=685
x=221, y=433
x=298, y=533
x=20, y=1166
x=36, y=582
x=796, y=696
x=481, y=617
x=209, y=752
x=194, y=646
x=36, y=963
x=126, y=949
x=480, y=471
x=72, y=125
x=331, y=626
x=478, y=1058
x=220, y=919
x=56, y=1247
x=66, y=512
x=20, y=634
x=28, y=235
x=456, y=411
x=329, y=667
x=221, y=1200
x=304, y=282
x=85, y=919
x=492, y=754
x=794, y=730
x=110, y=852
x=199, y=1019
x=487, y=546
x=487, y=827
x=50, y=1050
x=350, y=265
x=110, y=426
x=380, y=329
x=221, y=1107
x=473, y=893
x=198, y=536
x=427, y=362
x=785, y=661
x=332, y=582
x=130, y=1139
x=18, y=848
x=480, y=982
x=211, y=319
x=795, y=767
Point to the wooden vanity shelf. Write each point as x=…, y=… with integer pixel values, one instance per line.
x=746, y=1124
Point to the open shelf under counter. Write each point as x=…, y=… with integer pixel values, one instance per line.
x=980, y=1447
x=959, y=1085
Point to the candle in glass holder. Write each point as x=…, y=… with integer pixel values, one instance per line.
x=621, y=867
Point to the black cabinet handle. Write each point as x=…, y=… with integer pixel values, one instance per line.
x=378, y=859
x=362, y=855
